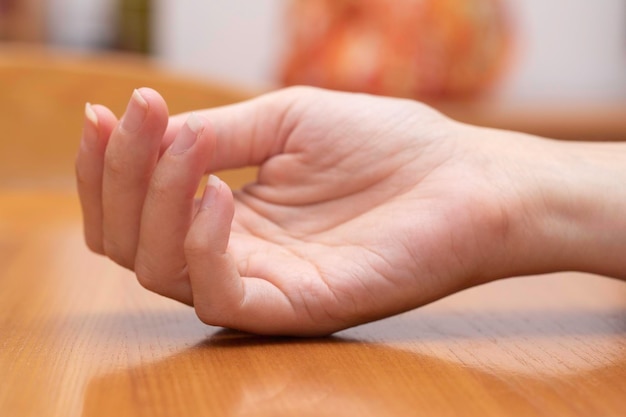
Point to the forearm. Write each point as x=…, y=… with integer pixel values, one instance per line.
x=572, y=211
x=588, y=207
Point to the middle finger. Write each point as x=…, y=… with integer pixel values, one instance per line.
x=130, y=158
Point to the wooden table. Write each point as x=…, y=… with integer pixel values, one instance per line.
x=79, y=337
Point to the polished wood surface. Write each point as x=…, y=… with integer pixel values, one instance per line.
x=80, y=337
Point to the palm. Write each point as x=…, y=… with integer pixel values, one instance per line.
x=330, y=231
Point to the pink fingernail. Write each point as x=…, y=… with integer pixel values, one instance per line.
x=187, y=135
x=90, y=128
x=91, y=115
x=210, y=192
x=135, y=112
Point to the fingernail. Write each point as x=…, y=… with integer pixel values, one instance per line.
x=213, y=186
x=135, y=112
x=187, y=135
x=91, y=115
x=90, y=127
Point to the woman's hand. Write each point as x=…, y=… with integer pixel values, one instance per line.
x=363, y=207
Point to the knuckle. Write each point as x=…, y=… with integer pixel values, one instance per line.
x=146, y=278
x=195, y=246
x=117, y=254
x=115, y=165
x=95, y=245
x=160, y=188
x=167, y=182
x=152, y=278
x=81, y=176
x=298, y=90
x=82, y=181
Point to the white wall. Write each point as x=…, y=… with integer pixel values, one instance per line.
x=569, y=49
x=83, y=24
x=236, y=41
x=566, y=49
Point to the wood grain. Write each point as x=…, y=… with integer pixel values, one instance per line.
x=80, y=337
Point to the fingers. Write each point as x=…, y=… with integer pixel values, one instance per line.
x=250, y=132
x=168, y=210
x=98, y=125
x=221, y=296
x=130, y=159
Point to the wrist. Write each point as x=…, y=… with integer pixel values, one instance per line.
x=571, y=213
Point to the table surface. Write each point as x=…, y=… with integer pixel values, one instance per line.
x=80, y=337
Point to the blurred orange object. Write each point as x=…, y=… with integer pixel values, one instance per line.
x=409, y=48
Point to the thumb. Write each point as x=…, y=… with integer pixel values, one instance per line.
x=221, y=296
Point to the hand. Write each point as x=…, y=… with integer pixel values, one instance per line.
x=363, y=207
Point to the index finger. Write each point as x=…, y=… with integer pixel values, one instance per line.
x=247, y=133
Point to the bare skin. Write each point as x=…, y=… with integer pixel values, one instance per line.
x=364, y=207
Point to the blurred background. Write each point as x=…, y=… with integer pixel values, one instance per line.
x=521, y=50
